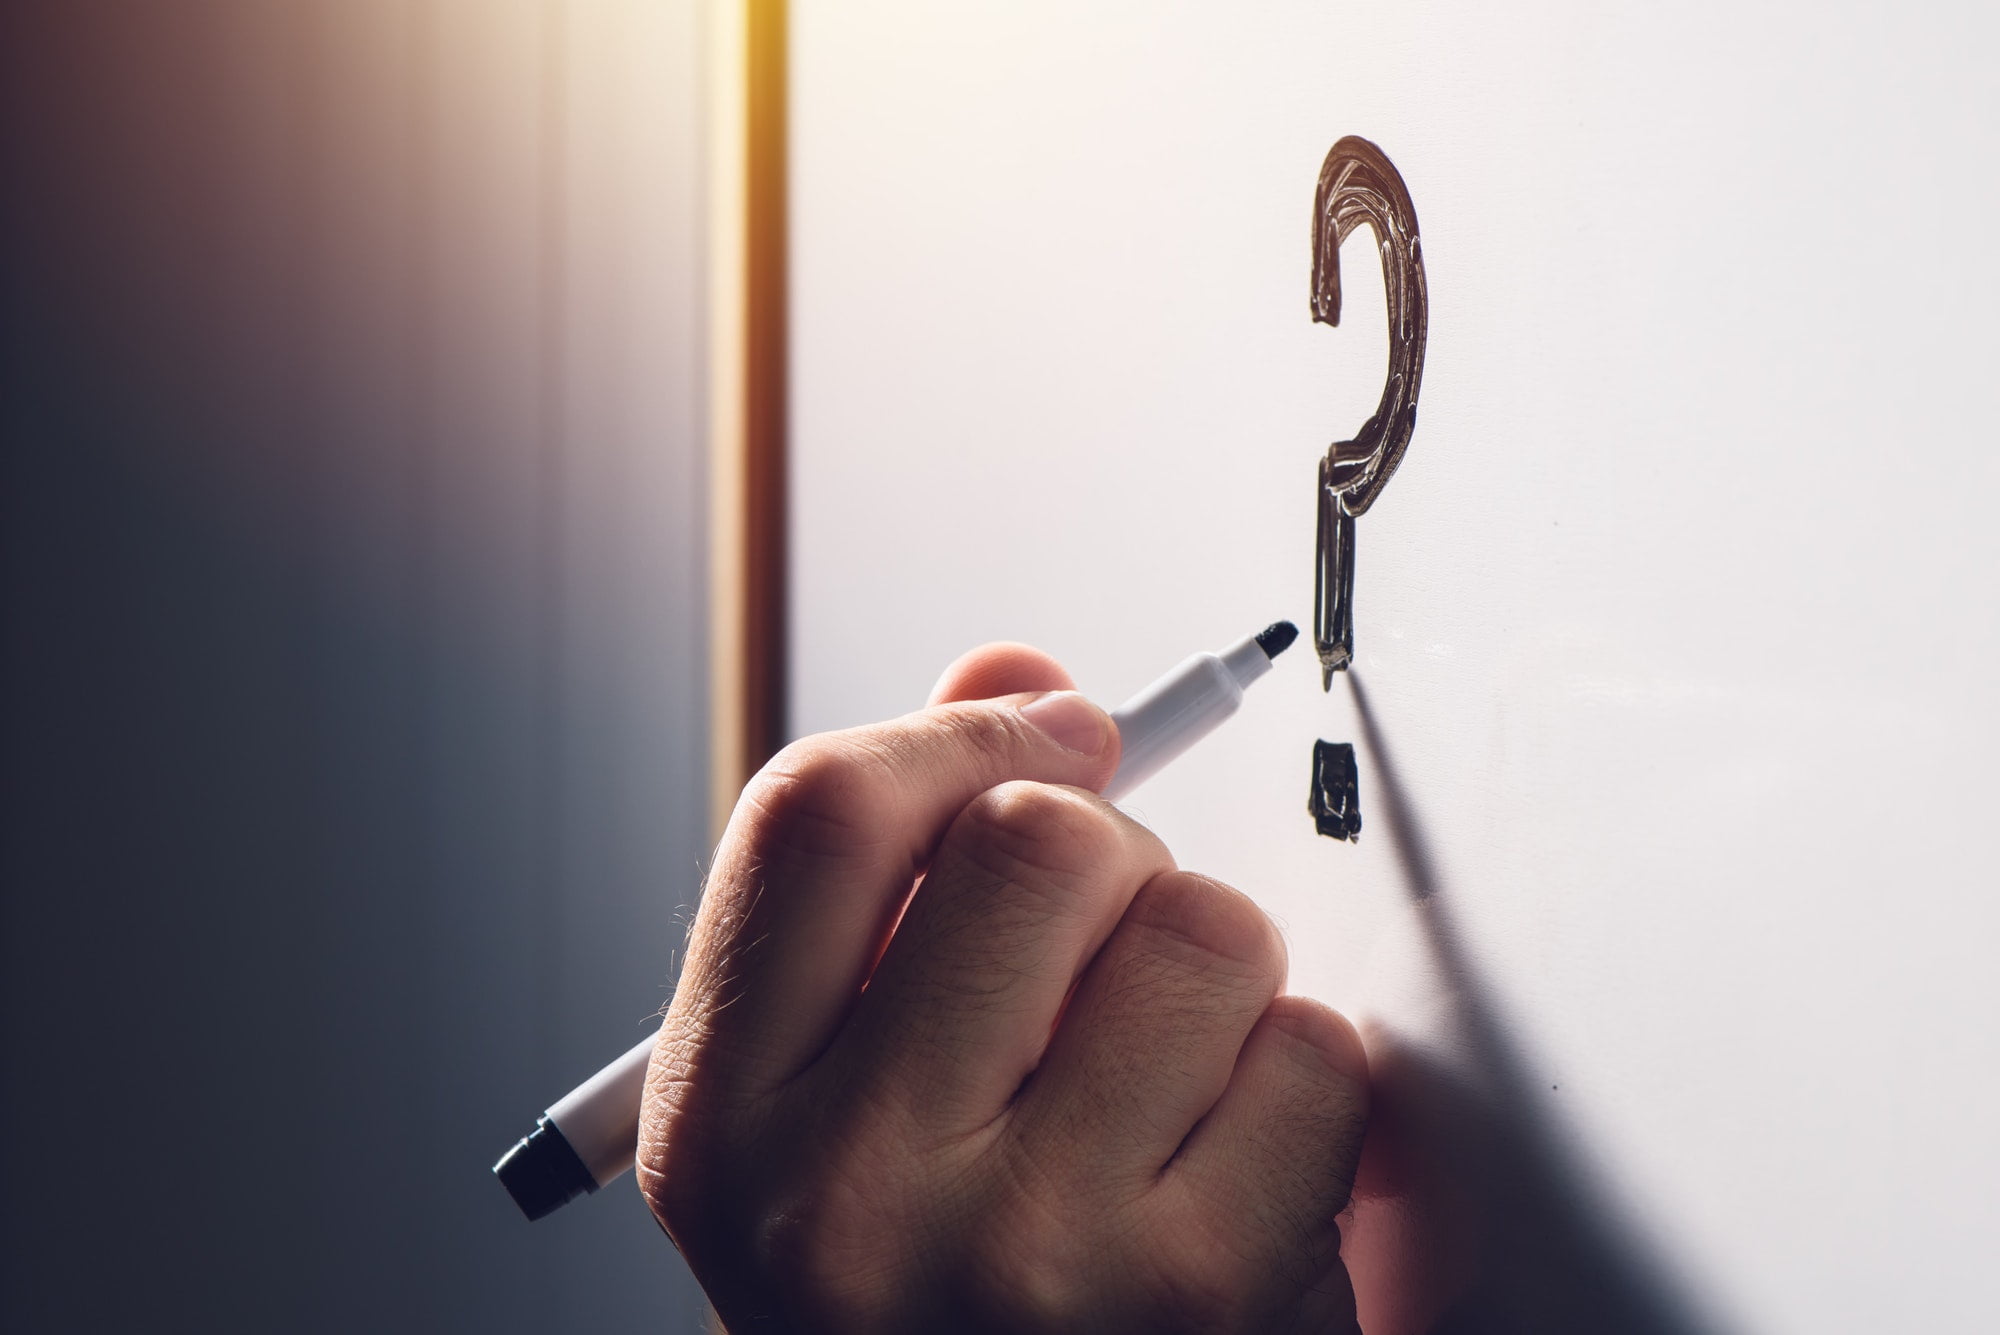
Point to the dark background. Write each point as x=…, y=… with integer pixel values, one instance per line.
x=353, y=651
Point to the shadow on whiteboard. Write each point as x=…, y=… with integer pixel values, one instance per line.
x=1470, y=1215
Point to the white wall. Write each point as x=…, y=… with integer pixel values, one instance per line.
x=1676, y=628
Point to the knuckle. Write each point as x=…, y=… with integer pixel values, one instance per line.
x=832, y=1252
x=1245, y=1279
x=1318, y=1108
x=820, y=797
x=1212, y=1288
x=1029, y=1267
x=1324, y=1044
x=1195, y=914
x=827, y=1221
x=1034, y=830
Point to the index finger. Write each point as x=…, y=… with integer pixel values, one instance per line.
x=1001, y=668
x=822, y=852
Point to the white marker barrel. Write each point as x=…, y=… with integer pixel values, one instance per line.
x=1180, y=709
x=600, y=1117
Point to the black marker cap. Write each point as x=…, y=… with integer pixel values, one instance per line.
x=542, y=1172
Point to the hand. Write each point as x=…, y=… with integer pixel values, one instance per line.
x=1056, y=1088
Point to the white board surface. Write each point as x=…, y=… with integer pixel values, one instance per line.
x=1677, y=628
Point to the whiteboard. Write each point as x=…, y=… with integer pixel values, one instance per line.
x=1673, y=905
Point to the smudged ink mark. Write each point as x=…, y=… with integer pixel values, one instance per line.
x=1336, y=791
x=1359, y=185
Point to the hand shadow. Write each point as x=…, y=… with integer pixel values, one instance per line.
x=1471, y=1217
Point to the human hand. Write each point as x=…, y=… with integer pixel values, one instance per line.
x=1056, y=1088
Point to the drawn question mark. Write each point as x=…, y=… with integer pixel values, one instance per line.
x=1358, y=185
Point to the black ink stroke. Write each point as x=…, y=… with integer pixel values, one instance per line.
x=1358, y=185
x=1335, y=800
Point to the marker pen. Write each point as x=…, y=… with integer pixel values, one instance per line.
x=589, y=1136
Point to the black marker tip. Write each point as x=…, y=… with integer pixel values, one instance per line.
x=1277, y=637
